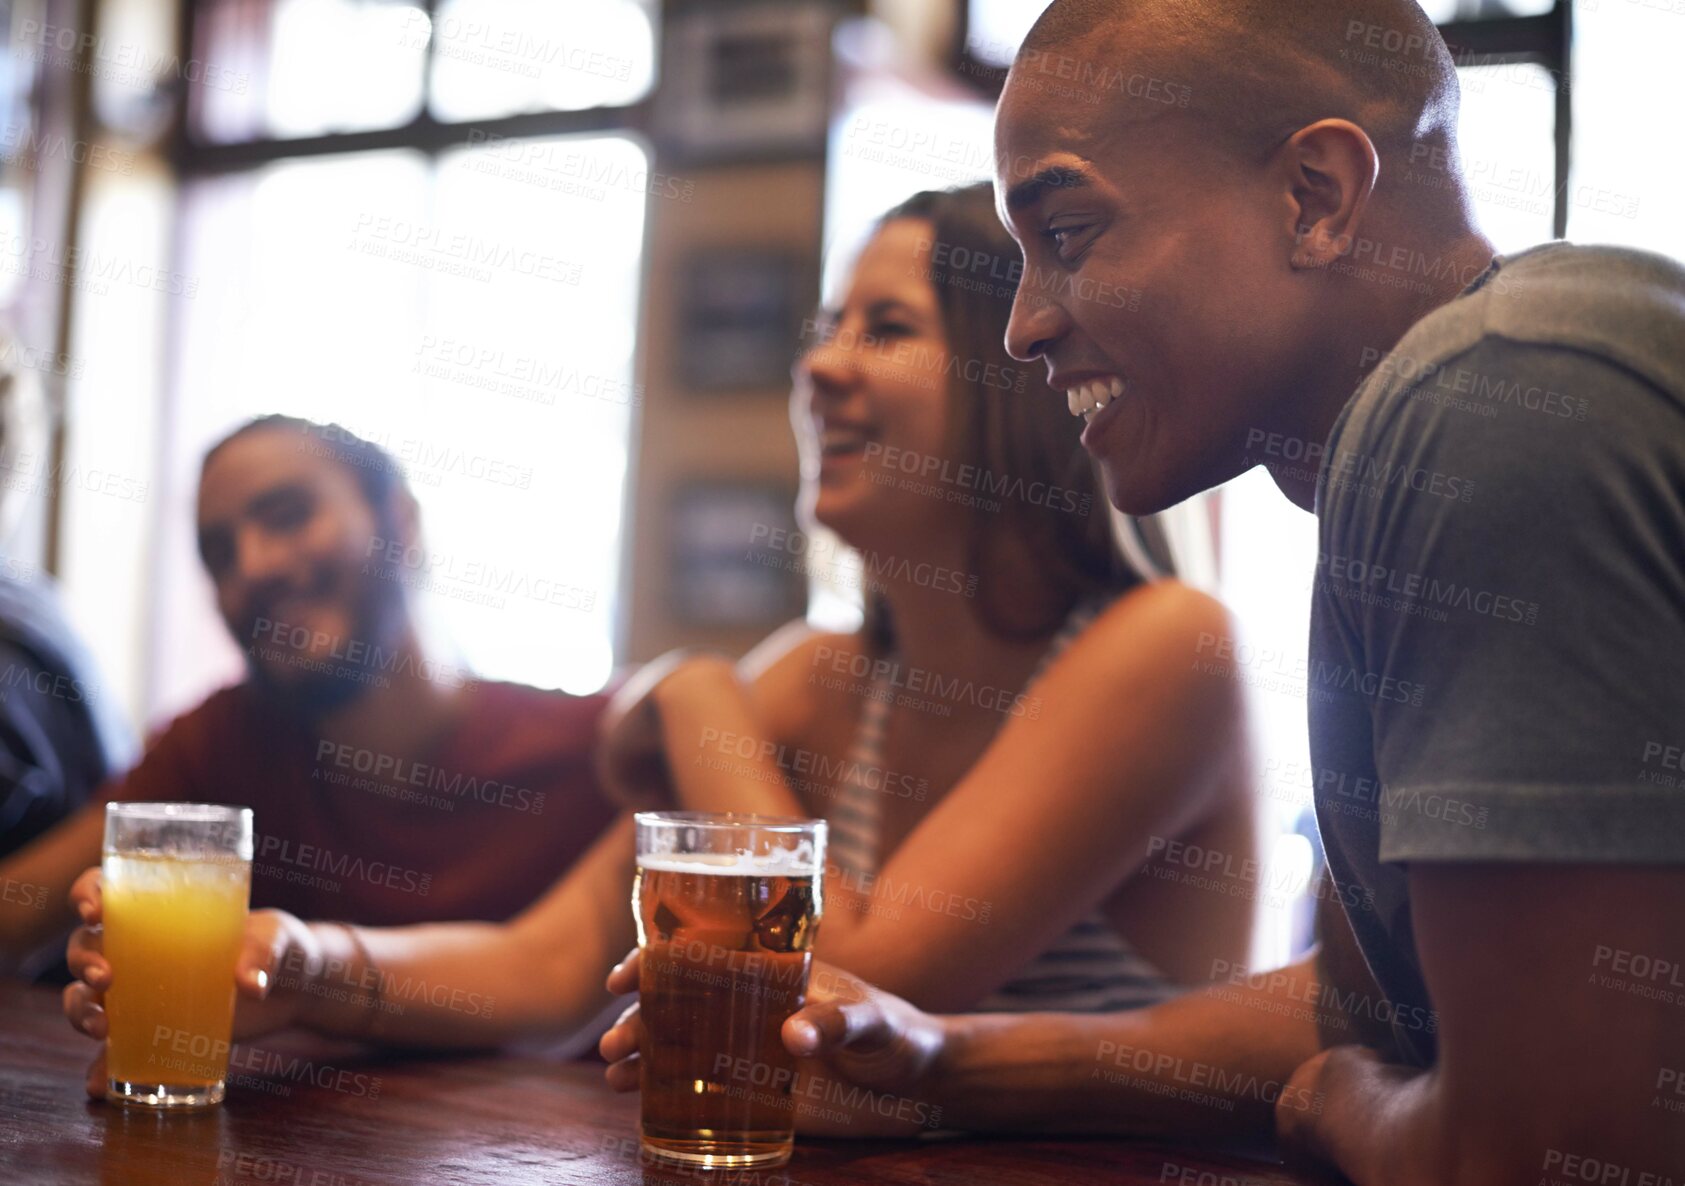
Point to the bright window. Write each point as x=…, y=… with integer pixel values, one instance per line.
x=1629, y=93
x=997, y=28
x=292, y=68
x=288, y=68
x=504, y=57
x=1507, y=134
x=889, y=142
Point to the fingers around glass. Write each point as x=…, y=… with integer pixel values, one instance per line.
x=86, y=959
x=82, y=1009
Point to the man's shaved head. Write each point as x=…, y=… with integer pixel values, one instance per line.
x=1253, y=72
x=1259, y=70
x=1228, y=209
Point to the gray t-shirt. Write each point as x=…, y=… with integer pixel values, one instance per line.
x=1497, y=666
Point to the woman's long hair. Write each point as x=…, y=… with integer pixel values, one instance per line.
x=1040, y=537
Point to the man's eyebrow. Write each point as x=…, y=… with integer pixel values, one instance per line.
x=1030, y=191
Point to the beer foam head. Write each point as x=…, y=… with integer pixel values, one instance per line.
x=797, y=863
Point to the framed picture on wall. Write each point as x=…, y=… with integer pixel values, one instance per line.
x=734, y=552
x=740, y=319
x=746, y=80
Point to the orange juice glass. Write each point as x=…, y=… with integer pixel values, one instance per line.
x=176, y=882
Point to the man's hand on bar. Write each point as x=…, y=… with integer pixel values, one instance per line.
x=870, y=1062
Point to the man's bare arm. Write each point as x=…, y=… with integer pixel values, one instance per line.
x=1212, y=1065
x=1558, y=991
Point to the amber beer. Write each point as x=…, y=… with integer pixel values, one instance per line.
x=727, y=908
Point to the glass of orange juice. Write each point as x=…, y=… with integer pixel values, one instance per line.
x=176, y=880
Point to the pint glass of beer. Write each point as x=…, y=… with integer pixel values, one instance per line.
x=727, y=907
x=175, y=880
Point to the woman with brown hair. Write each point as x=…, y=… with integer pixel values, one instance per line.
x=1019, y=738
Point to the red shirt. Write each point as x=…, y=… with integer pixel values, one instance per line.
x=497, y=813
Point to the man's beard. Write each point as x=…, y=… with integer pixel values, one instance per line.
x=312, y=695
x=378, y=625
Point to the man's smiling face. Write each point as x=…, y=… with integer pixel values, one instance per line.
x=1155, y=257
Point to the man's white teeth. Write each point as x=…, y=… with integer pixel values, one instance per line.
x=1086, y=399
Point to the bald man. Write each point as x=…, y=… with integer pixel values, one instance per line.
x=1495, y=449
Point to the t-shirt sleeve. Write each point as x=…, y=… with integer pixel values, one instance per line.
x=1507, y=545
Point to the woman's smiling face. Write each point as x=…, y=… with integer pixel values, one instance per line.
x=871, y=397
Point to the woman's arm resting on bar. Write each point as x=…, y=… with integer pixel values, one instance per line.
x=710, y=728
x=656, y=739
x=721, y=752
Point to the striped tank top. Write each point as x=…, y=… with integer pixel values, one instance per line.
x=1089, y=969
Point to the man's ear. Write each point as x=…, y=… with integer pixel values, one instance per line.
x=1329, y=169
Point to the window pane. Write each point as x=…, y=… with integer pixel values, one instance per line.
x=475, y=322
x=503, y=57
x=15, y=262
x=889, y=142
x=533, y=368
x=997, y=28
x=1268, y=562
x=109, y=496
x=288, y=68
x=20, y=139
x=1440, y=11
x=1507, y=136
x=1628, y=96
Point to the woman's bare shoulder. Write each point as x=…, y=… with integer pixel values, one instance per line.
x=1169, y=635
x=801, y=678
x=1158, y=615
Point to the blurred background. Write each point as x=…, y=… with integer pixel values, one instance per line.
x=557, y=256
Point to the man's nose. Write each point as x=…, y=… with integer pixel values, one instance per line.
x=259, y=556
x=1037, y=322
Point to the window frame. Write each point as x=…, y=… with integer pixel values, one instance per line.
x=191, y=157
